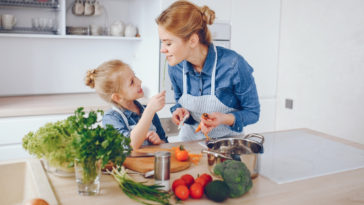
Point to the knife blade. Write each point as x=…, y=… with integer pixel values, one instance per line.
x=183, y=121
x=141, y=154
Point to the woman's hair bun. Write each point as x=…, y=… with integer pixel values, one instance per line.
x=90, y=78
x=208, y=15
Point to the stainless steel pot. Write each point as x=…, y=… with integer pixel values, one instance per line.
x=246, y=149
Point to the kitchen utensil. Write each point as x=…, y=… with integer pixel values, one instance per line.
x=162, y=167
x=71, y=30
x=89, y=8
x=78, y=8
x=117, y=28
x=183, y=121
x=145, y=164
x=141, y=154
x=246, y=149
x=130, y=31
x=98, y=8
x=8, y=21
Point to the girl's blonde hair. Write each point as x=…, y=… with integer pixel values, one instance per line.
x=106, y=79
x=183, y=19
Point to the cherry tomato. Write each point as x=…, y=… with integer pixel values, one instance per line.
x=207, y=177
x=202, y=181
x=177, y=182
x=182, y=155
x=189, y=180
x=182, y=192
x=196, y=190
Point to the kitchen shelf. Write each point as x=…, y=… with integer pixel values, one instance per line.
x=52, y=4
x=26, y=30
x=39, y=35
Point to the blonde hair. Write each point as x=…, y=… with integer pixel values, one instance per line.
x=183, y=19
x=106, y=79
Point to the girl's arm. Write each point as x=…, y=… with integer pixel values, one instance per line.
x=139, y=133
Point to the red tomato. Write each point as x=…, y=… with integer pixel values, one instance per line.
x=177, y=182
x=207, y=177
x=202, y=181
x=182, y=155
x=189, y=180
x=182, y=192
x=196, y=190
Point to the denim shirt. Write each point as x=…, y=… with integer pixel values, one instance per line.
x=112, y=117
x=234, y=85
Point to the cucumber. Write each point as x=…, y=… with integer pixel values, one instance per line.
x=217, y=191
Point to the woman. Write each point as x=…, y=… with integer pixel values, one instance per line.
x=205, y=78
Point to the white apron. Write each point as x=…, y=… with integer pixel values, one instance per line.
x=197, y=105
x=151, y=128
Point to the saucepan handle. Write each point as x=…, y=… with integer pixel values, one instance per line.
x=216, y=154
x=254, y=136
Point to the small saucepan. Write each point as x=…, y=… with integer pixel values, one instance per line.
x=246, y=149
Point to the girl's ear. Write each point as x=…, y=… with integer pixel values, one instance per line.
x=115, y=97
x=194, y=40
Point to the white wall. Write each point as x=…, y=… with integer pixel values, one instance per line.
x=58, y=65
x=321, y=67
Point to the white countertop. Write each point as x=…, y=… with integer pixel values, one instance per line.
x=15, y=106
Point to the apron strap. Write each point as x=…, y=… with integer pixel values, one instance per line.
x=122, y=115
x=212, y=75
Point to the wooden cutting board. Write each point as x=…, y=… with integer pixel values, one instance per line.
x=145, y=164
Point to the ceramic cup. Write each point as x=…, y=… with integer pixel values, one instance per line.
x=117, y=28
x=8, y=21
x=98, y=8
x=96, y=30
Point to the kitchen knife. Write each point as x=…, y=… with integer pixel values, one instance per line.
x=183, y=121
x=141, y=154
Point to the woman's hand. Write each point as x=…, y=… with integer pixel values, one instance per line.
x=157, y=102
x=215, y=119
x=178, y=115
x=153, y=138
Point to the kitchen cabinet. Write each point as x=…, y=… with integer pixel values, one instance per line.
x=53, y=18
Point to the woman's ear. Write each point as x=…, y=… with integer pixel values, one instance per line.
x=194, y=40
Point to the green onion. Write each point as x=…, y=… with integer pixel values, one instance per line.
x=139, y=191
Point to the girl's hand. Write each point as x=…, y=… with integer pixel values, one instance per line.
x=153, y=138
x=157, y=102
x=215, y=119
x=178, y=115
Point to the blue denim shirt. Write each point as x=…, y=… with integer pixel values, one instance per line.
x=113, y=118
x=235, y=86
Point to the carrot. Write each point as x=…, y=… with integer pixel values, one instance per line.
x=204, y=116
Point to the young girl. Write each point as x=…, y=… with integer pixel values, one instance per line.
x=116, y=83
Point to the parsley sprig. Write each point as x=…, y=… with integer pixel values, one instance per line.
x=95, y=142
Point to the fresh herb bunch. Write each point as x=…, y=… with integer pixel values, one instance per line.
x=97, y=143
x=139, y=191
x=53, y=142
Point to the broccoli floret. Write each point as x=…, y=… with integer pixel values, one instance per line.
x=236, y=175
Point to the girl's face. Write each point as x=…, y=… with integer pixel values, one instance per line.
x=175, y=49
x=130, y=85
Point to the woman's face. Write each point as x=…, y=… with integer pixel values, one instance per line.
x=130, y=85
x=175, y=49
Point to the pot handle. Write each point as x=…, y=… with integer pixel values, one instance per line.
x=216, y=154
x=255, y=135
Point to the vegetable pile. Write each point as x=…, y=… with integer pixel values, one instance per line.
x=236, y=175
x=138, y=191
x=187, y=186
